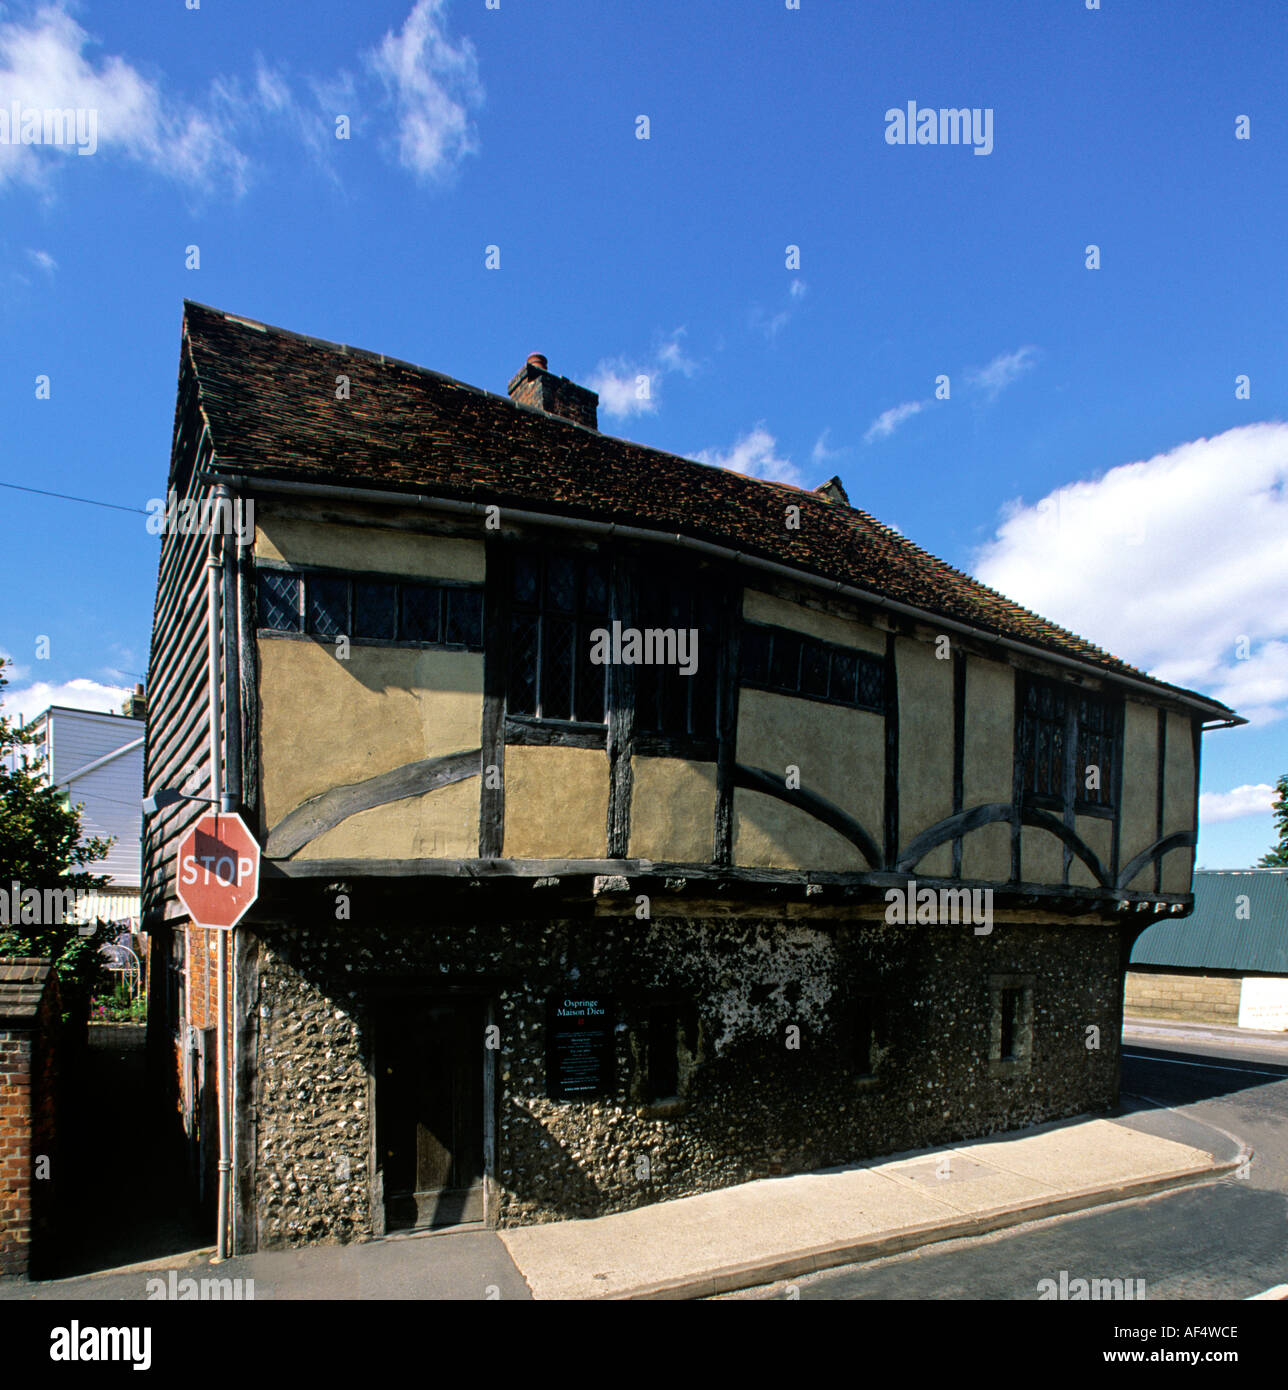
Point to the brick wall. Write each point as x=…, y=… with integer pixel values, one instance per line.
x=16, y=1046
x=203, y=978
x=1188, y=995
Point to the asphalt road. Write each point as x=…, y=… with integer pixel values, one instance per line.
x=1223, y=1239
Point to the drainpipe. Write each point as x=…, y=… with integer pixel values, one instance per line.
x=214, y=575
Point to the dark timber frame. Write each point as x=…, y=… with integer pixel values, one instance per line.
x=1162, y=792
x=496, y=634
x=960, y=660
x=891, y=817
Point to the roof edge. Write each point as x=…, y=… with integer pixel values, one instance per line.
x=227, y=473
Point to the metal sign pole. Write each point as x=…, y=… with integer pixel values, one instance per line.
x=213, y=574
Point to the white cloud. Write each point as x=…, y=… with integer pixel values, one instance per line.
x=671, y=356
x=754, y=454
x=991, y=380
x=768, y=324
x=889, y=420
x=12, y=670
x=433, y=84
x=43, y=67
x=1177, y=564
x=1004, y=369
x=627, y=387
x=821, y=453
x=772, y=324
x=43, y=261
x=271, y=87
x=47, y=63
x=80, y=693
x=1249, y=800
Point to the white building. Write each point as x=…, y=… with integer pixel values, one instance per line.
x=97, y=760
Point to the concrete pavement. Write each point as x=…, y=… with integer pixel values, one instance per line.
x=779, y=1228
x=716, y=1242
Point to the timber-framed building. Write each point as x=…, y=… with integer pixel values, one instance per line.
x=544, y=936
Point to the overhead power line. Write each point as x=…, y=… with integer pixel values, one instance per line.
x=67, y=497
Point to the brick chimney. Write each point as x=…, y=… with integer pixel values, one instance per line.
x=136, y=705
x=556, y=395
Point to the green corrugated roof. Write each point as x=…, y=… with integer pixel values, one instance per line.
x=1239, y=922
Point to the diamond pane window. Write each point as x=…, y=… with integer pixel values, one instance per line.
x=375, y=609
x=279, y=601
x=464, y=617
x=589, y=704
x=755, y=655
x=327, y=604
x=525, y=642
x=785, y=662
x=795, y=664
x=843, y=683
x=527, y=580
x=871, y=683
x=814, y=668
x=557, y=601
x=422, y=613
x=561, y=583
x=1096, y=752
x=558, y=652
x=1064, y=733
x=675, y=696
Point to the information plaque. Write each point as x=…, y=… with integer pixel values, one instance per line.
x=579, y=1046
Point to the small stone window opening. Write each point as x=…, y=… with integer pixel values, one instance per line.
x=1012, y=1001
x=663, y=1054
x=1010, y=1025
x=669, y=1055
x=865, y=1030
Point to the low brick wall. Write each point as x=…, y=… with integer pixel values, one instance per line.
x=1188, y=995
x=15, y=1150
x=29, y=1019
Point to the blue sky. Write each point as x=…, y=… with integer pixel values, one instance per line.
x=1092, y=460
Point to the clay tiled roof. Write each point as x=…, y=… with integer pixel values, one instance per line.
x=22, y=983
x=268, y=398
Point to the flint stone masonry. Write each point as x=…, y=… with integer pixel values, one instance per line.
x=750, y=1105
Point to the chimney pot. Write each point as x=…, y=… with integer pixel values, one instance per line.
x=538, y=387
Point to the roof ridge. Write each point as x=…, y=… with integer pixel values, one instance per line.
x=416, y=429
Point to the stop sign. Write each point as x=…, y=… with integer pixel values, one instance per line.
x=218, y=870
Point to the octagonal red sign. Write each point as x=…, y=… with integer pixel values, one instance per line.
x=218, y=870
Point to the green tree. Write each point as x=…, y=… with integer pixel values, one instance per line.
x=1278, y=857
x=41, y=848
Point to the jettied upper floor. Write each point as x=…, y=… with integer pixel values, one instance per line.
x=467, y=635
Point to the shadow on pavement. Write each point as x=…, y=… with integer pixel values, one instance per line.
x=1188, y=1077
x=122, y=1195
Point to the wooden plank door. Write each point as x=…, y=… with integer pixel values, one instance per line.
x=429, y=1111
